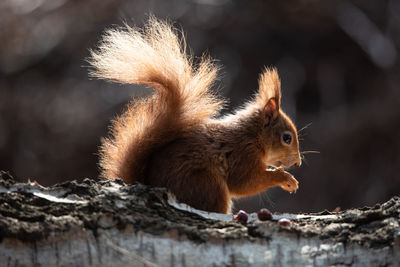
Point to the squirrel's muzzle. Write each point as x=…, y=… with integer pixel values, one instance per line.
x=297, y=163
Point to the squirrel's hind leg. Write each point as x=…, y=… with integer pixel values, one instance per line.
x=205, y=191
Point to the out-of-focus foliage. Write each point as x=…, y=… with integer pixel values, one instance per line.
x=338, y=61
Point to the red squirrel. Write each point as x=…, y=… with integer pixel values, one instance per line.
x=175, y=139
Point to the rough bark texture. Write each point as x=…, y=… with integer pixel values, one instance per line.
x=112, y=224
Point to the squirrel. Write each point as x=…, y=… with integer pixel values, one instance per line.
x=175, y=139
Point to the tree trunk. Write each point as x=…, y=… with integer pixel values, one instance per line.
x=109, y=223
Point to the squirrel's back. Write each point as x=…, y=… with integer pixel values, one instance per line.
x=155, y=57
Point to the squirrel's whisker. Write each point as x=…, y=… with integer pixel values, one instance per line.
x=305, y=127
x=305, y=160
x=310, y=152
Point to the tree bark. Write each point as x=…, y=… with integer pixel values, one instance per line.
x=108, y=223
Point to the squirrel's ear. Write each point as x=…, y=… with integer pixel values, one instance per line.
x=269, y=95
x=271, y=109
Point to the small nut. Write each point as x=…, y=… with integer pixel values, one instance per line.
x=241, y=216
x=264, y=215
x=286, y=223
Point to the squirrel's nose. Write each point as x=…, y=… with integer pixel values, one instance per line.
x=298, y=164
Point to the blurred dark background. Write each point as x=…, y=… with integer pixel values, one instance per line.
x=338, y=61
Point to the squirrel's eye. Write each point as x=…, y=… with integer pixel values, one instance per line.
x=287, y=138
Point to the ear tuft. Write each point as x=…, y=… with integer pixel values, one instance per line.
x=269, y=88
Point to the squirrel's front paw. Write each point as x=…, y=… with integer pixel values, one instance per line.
x=289, y=183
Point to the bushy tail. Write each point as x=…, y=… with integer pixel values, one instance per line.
x=156, y=57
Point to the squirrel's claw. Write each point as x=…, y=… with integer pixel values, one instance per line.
x=289, y=183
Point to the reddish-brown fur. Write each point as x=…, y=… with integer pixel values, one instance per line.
x=173, y=139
